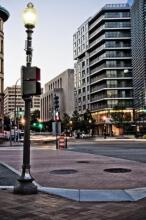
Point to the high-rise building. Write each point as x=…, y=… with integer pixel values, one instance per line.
x=63, y=87
x=4, y=14
x=103, y=70
x=138, y=20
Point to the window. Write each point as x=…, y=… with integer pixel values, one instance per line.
x=84, y=89
x=84, y=107
x=83, y=64
x=112, y=83
x=83, y=73
x=83, y=81
x=111, y=73
x=112, y=93
x=2, y=47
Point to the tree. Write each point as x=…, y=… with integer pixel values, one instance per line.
x=65, y=121
x=88, y=122
x=118, y=115
x=75, y=120
x=35, y=115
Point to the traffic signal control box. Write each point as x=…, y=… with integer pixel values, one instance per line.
x=30, y=77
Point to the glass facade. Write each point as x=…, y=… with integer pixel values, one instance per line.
x=130, y=2
x=138, y=15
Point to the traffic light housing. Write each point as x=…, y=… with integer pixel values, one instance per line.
x=56, y=102
x=30, y=77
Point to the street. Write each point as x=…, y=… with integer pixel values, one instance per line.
x=129, y=150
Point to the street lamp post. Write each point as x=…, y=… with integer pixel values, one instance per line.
x=26, y=185
x=104, y=126
x=15, y=109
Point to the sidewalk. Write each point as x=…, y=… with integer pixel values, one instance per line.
x=80, y=176
x=48, y=207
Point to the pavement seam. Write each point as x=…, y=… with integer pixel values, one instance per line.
x=129, y=195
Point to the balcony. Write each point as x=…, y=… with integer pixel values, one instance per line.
x=104, y=37
x=97, y=78
x=106, y=66
x=97, y=41
x=119, y=86
x=108, y=57
x=96, y=22
x=102, y=47
x=97, y=31
x=98, y=88
x=95, y=107
x=103, y=97
x=104, y=76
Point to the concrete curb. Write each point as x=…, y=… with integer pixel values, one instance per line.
x=119, y=139
x=85, y=195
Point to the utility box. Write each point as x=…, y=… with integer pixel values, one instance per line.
x=54, y=130
x=30, y=77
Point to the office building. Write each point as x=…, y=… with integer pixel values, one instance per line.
x=4, y=14
x=103, y=70
x=13, y=101
x=63, y=86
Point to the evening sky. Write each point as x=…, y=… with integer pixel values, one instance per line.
x=58, y=20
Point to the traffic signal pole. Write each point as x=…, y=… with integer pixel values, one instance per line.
x=56, y=107
x=56, y=128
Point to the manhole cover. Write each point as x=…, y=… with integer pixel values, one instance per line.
x=64, y=171
x=117, y=170
x=83, y=161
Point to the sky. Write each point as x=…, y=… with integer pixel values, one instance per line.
x=52, y=41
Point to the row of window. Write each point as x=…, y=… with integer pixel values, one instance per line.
x=116, y=34
x=123, y=14
x=117, y=24
x=113, y=53
x=56, y=84
x=81, y=31
x=114, y=43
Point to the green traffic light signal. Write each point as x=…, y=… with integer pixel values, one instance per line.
x=40, y=125
x=34, y=124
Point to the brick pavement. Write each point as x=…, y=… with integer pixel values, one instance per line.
x=48, y=207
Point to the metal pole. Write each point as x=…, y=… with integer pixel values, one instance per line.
x=56, y=126
x=15, y=101
x=10, y=133
x=15, y=114
x=25, y=181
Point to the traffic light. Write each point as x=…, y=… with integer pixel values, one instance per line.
x=30, y=77
x=57, y=116
x=40, y=125
x=56, y=102
x=34, y=124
